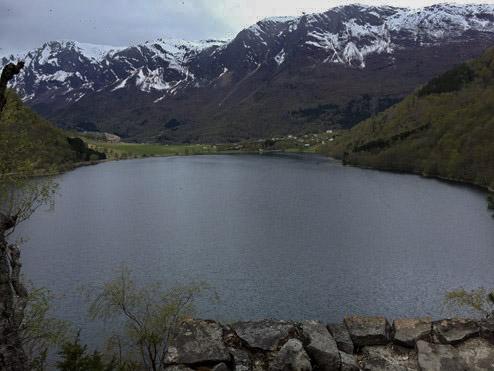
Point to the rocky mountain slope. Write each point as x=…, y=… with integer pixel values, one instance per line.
x=281, y=75
x=444, y=129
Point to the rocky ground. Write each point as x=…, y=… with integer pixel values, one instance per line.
x=359, y=343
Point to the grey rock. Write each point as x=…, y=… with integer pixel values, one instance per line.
x=478, y=354
x=198, y=341
x=453, y=331
x=291, y=357
x=221, y=367
x=348, y=362
x=365, y=331
x=487, y=330
x=241, y=359
x=389, y=358
x=342, y=337
x=322, y=348
x=178, y=368
x=260, y=365
x=266, y=335
x=438, y=357
x=408, y=331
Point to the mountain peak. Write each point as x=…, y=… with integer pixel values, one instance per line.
x=365, y=39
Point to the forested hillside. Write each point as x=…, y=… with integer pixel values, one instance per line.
x=444, y=129
x=44, y=147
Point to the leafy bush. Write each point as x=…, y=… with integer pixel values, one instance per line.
x=150, y=317
x=479, y=300
x=39, y=331
x=75, y=357
x=83, y=153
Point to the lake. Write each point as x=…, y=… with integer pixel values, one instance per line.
x=287, y=237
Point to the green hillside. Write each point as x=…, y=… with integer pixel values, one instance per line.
x=24, y=134
x=445, y=129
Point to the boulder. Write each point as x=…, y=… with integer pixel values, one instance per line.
x=291, y=357
x=478, y=354
x=487, y=330
x=178, y=368
x=453, y=331
x=348, y=362
x=241, y=359
x=438, y=357
x=267, y=335
x=198, y=342
x=390, y=358
x=408, y=331
x=342, y=337
x=322, y=348
x=365, y=331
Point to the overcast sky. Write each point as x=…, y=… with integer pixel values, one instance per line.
x=26, y=24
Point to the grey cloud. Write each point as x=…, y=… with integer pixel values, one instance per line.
x=28, y=23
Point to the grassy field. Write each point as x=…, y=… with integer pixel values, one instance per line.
x=116, y=151
x=120, y=151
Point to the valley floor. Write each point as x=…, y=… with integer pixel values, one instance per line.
x=122, y=150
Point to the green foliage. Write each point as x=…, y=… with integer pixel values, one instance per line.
x=448, y=135
x=22, y=128
x=479, y=300
x=117, y=151
x=20, y=159
x=83, y=153
x=39, y=331
x=75, y=357
x=450, y=81
x=25, y=135
x=150, y=316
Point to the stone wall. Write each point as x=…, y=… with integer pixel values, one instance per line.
x=358, y=343
x=12, y=301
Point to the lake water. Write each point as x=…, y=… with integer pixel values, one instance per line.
x=288, y=237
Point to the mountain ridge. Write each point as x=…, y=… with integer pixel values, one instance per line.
x=272, y=71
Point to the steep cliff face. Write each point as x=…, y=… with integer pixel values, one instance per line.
x=12, y=302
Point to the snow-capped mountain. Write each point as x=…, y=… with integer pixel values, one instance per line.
x=297, y=73
x=69, y=69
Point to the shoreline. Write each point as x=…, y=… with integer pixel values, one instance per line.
x=461, y=182
x=356, y=343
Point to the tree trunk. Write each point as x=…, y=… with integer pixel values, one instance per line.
x=12, y=303
x=8, y=73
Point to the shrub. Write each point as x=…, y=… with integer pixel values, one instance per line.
x=75, y=357
x=150, y=316
x=478, y=300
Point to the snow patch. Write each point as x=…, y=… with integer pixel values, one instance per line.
x=280, y=57
x=151, y=80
